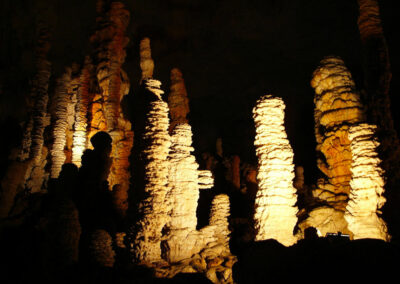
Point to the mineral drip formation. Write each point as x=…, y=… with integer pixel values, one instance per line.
x=146, y=62
x=178, y=101
x=366, y=194
x=337, y=106
x=184, y=182
x=111, y=41
x=153, y=208
x=275, y=210
x=84, y=97
x=61, y=100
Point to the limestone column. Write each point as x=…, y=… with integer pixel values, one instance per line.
x=367, y=186
x=275, y=210
x=178, y=101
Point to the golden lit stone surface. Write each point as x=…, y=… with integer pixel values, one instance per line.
x=146, y=62
x=275, y=210
x=366, y=195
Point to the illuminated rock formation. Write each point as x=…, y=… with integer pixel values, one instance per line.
x=275, y=212
x=84, y=97
x=178, y=101
x=106, y=111
x=206, y=179
x=100, y=249
x=146, y=62
x=337, y=106
x=298, y=182
x=153, y=208
x=61, y=100
x=366, y=195
x=219, y=220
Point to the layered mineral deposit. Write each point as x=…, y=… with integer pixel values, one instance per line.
x=337, y=107
x=146, y=62
x=178, y=101
x=153, y=208
x=61, y=100
x=275, y=210
x=367, y=186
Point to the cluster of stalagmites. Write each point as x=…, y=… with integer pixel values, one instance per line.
x=167, y=230
x=366, y=194
x=337, y=107
x=275, y=210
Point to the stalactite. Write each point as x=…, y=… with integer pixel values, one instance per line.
x=61, y=99
x=337, y=105
x=178, y=101
x=84, y=97
x=366, y=195
x=146, y=62
x=275, y=212
x=146, y=247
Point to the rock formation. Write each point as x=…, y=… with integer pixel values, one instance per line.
x=61, y=100
x=275, y=212
x=366, y=194
x=153, y=208
x=84, y=97
x=146, y=62
x=298, y=182
x=111, y=41
x=100, y=250
x=178, y=101
x=337, y=105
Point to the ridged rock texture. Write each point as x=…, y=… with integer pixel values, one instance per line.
x=376, y=94
x=275, y=210
x=110, y=42
x=146, y=62
x=83, y=98
x=153, y=209
x=178, y=101
x=100, y=249
x=39, y=98
x=337, y=106
x=184, y=183
x=61, y=100
x=367, y=186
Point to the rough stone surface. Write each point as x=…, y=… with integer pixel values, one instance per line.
x=100, y=250
x=367, y=186
x=275, y=210
x=146, y=62
x=153, y=208
x=178, y=101
x=61, y=100
x=337, y=105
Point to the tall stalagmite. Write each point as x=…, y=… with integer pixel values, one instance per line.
x=146, y=62
x=377, y=78
x=366, y=194
x=84, y=97
x=337, y=107
x=110, y=42
x=178, y=101
x=61, y=100
x=275, y=210
x=153, y=208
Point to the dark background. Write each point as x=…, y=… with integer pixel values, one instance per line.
x=230, y=52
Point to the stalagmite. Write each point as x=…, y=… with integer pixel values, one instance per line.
x=366, y=195
x=106, y=110
x=337, y=106
x=153, y=208
x=298, y=182
x=100, y=249
x=84, y=96
x=61, y=99
x=219, y=219
x=275, y=212
x=178, y=101
x=146, y=62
